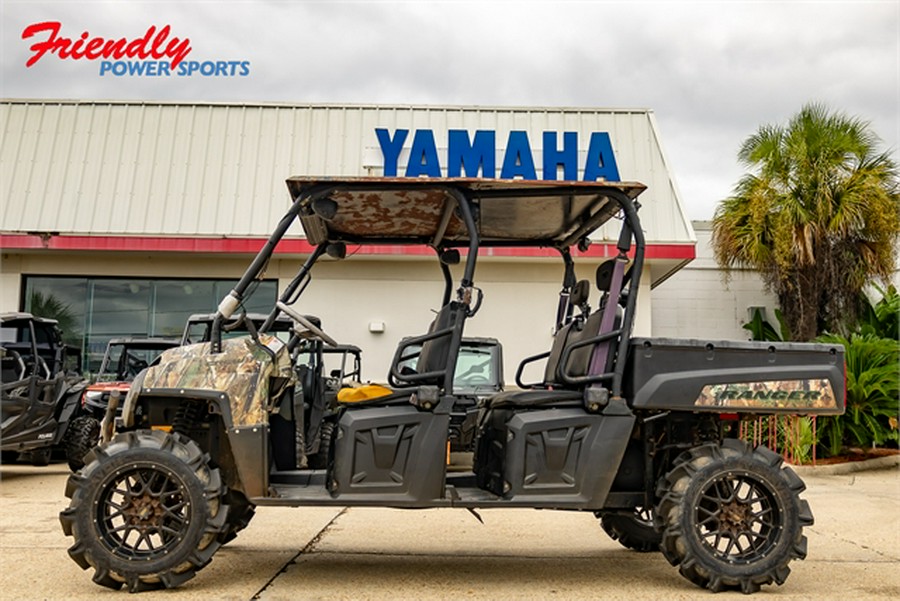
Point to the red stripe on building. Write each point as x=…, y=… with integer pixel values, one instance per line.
x=292, y=247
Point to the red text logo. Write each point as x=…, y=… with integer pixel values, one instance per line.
x=155, y=44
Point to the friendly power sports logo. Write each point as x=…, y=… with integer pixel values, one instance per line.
x=157, y=53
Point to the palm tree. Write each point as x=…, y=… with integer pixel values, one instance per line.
x=818, y=217
x=49, y=306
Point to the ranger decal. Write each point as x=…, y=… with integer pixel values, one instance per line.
x=777, y=394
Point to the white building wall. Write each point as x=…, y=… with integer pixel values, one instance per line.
x=696, y=302
x=10, y=282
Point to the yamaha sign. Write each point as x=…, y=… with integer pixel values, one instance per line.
x=479, y=155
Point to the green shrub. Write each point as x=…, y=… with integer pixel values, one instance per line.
x=873, y=390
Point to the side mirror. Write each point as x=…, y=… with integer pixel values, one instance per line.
x=325, y=208
x=336, y=250
x=449, y=256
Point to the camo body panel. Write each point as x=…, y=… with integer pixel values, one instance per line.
x=242, y=370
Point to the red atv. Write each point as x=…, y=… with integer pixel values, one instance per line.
x=124, y=359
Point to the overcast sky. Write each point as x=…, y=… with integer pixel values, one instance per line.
x=711, y=71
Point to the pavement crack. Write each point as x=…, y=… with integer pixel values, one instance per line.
x=306, y=549
x=856, y=544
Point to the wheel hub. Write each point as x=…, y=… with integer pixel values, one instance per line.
x=145, y=510
x=735, y=517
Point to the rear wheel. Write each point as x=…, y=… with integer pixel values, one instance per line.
x=319, y=460
x=634, y=531
x=146, y=512
x=240, y=512
x=81, y=436
x=732, y=517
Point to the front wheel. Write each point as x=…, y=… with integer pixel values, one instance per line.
x=81, y=436
x=240, y=512
x=732, y=517
x=146, y=511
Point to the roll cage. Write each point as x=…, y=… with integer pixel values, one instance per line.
x=449, y=215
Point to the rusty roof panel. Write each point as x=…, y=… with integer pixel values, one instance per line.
x=378, y=210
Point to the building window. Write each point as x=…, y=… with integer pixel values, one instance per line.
x=91, y=311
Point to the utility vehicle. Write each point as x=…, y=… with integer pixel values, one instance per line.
x=41, y=389
x=199, y=326
x=123, y=360
x=640, y=431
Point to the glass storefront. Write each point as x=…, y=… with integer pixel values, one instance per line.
x=91, y=311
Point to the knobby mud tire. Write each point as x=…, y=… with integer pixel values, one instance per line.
x=240, y=512
x=146, y=511
x=731, y=517
x=82, y=435
x=636, y=532
x=319, y=460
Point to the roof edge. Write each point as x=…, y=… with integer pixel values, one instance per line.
x=329, y=105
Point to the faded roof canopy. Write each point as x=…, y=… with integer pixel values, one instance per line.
x=423, y=211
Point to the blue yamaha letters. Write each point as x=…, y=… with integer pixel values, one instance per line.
x=467, y=156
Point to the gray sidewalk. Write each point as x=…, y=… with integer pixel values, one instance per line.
x=314, y=553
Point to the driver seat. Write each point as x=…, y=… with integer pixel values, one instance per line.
x=425, y=383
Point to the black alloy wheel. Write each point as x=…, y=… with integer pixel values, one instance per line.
x=731, y=517
x=147, y=511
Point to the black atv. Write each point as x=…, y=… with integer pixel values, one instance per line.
x=41, y=387
x=641, y=432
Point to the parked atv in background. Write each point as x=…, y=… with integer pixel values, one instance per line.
x=477, y=377
x=41, y=388
x=641, y=432
x=199, y=327
x=124, y=359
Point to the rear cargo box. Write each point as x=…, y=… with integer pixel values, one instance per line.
x=755, y=377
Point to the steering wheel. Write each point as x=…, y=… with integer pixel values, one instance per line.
x=135, y=365
x=317, y=331
x=474, y=380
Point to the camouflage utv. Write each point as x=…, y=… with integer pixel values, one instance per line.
x=641, y=432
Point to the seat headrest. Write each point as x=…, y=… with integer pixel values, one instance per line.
x=604, y=274
x=581, y=292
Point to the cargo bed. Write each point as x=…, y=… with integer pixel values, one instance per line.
x=754, y=377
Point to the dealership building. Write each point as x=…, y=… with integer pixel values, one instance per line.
x=130, y=216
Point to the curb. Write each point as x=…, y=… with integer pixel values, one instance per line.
x=851, y=467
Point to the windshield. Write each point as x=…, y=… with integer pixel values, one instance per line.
x=200, y=330
x=123, y=361
x=477, y=366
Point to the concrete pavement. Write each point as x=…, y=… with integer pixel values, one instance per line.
x=365, y=553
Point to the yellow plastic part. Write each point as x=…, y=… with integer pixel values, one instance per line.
x=362, y=393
